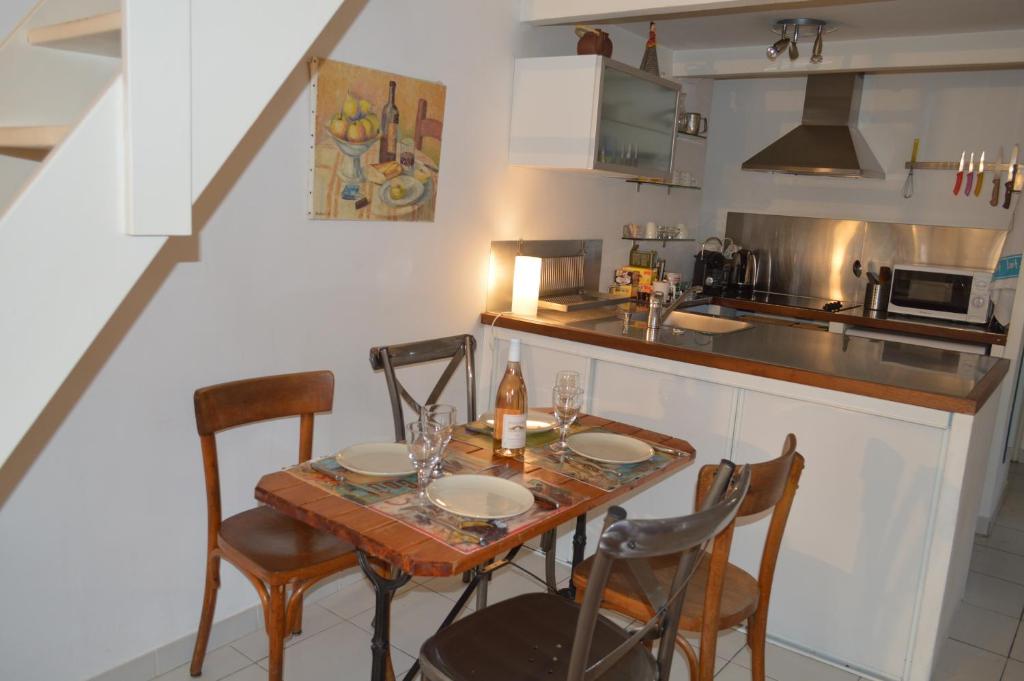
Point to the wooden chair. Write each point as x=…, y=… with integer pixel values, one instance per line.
x=721, y=595
x=272, y=550
x=541, y=636
x=425, y=127
x=387, y=358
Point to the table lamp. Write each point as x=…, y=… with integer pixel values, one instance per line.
x=526, y=286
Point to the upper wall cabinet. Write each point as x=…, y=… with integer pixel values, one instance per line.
x=587, y=112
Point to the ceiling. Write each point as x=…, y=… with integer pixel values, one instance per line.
x=857, y=20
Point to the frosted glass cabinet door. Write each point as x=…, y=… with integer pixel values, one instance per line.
x=636, y=128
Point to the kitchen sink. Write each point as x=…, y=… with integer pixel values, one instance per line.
x=702, y=323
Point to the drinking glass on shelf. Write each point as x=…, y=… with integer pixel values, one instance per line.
x=441, y=419
x=566, y=403
x=424, y=452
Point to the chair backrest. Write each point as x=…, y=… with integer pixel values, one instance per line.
x=773, y=484
x=425, y=127
x=388, y=358
x=237, y=403
x=635, y=540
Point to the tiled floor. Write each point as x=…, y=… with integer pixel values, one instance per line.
x=986, y=642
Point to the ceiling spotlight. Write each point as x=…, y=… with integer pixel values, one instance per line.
x=789, y=31
x=816, y=57
x=780, y=44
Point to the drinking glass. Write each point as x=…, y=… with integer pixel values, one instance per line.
x=441, y=419
x=566, y=403
x=568, y=379
x=424, y=452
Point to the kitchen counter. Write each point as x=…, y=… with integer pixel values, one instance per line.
x=900, y=372
x=882, y=321
x=897, y=439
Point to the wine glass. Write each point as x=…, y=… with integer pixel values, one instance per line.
x=568, y=379
x=441, y=419
x=424, y=452
x=566, y=403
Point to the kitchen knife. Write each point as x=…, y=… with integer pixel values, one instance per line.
x=981, y=175
x=1011, y=175
x=970, y=176
x=994, y=201
x=959, y=174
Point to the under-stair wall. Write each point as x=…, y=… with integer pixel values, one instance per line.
x=66, y=257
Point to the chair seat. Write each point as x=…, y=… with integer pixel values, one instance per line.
x=623, y=593
x=526, y=638
x=277, y=545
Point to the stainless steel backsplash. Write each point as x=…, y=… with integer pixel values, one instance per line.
x=815, y=256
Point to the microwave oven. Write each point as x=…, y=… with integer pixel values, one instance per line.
x=953, y=293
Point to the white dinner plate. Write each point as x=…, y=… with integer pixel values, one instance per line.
x=381, y=459
x=536, y=421
x=609, y=447
x=480, y=496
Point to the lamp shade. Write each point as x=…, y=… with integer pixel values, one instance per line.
x=525, y=286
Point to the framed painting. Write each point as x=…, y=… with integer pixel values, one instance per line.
x=376, y=143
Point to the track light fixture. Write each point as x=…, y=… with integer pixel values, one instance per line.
x=789, y=32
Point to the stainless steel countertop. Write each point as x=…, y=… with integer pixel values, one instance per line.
x=902, y=372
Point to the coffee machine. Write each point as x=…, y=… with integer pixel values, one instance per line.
x=710, y=271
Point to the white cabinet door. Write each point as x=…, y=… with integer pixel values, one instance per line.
x=852, y=555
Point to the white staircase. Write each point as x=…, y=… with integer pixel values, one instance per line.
x=113, y=120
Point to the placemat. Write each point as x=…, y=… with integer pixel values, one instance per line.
x=468, y=534
x=479, y=434
x=601, y=475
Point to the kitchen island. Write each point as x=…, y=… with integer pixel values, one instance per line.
x=896, y=437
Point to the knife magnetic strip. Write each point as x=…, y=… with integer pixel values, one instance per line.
x=561, y=274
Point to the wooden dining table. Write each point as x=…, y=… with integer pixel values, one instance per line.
x=391, y=549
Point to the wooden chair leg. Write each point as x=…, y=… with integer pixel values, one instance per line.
x=295, y=612
x=206, y=616
x=756, y=633
x=276, y=632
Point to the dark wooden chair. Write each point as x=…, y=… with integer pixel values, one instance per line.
x=387, y=358
x=425, y=127
x=547, y=637
x=272, y=550
x=721, y=595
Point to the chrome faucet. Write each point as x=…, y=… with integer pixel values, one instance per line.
x=658, y=312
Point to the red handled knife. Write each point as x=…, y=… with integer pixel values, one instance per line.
x=959, y=174
x=981, y=175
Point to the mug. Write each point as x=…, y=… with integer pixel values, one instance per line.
x=692, y=124
x=651, y=230
x=664, y=288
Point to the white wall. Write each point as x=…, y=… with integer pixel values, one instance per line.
x=950, y=112
x=102, y=516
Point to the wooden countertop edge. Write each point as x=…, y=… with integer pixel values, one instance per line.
x=897, y=325
x=961, y=405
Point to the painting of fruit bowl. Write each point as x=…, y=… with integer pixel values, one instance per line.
x=376, y=144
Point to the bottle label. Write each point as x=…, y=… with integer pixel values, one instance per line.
x=513, y=431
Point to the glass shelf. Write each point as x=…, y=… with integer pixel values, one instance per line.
x=664, y=241
x=680, y=133
x=660, y=183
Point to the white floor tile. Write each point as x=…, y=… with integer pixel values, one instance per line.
x=1003, y=538
x=1010, y=516
x=731, y=672
x=730, y=643
x=983, y=629
x=415, y=615
x=1014, y=671
x=314, y=620
x=1017, y=652
x=350, y=599
x=343, y=651
x=997, y=563
x=961, y=662
x=253, y=672
x=785, y=665
x=995, y=594
x=218, y=664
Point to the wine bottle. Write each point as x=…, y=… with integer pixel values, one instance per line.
x=389, y=127
x=510, y=408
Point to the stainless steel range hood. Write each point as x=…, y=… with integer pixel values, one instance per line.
x=827, y=141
